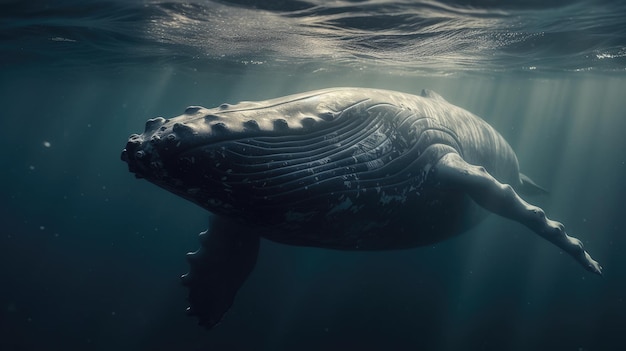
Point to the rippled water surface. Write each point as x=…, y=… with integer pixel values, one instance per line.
x=406, y=36
x=90, y=256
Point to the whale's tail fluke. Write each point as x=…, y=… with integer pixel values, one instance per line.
x=529, y=187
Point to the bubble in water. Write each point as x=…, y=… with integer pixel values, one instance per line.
x=46, y=143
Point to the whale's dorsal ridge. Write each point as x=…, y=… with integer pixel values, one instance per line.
x=427, y=93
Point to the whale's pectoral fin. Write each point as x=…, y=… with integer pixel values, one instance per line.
x=503, y=200
x=218, y=269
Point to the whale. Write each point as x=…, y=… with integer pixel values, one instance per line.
x=339, y=168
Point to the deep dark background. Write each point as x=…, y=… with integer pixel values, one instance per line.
x=90, y=257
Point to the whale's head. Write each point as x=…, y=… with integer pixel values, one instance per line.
x=236, y=157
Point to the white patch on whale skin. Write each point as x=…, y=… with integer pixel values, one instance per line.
x=387, y=199
x=345, y=205
x=401, y=198
x=324, y=161
x=374, y=164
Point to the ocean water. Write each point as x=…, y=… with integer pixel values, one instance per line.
x=90, y=257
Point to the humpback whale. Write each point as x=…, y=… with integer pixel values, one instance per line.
x=339, y=168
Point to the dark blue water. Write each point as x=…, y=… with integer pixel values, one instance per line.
x=90, y=257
